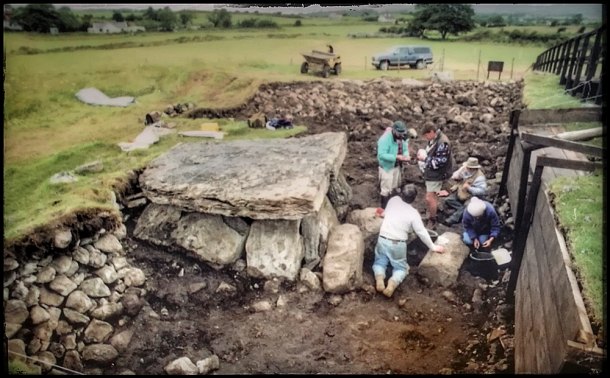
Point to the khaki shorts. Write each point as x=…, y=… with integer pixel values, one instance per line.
x=388, y=181
x=434, y=186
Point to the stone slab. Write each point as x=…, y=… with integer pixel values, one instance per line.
x=258, y=179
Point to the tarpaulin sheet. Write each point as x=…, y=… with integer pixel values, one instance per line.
x=94, y=96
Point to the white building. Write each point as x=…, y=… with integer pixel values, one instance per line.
x=9, y=25
x=114, y=27
x=385, y=18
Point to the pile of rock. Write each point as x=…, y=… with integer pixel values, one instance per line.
x=59, y=304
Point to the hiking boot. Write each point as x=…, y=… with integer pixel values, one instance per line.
x=450, y=221
x=379, y=284
x=390, y=289
x=384, y=201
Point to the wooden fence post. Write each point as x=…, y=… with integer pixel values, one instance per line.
x=514, y=124
x=523, y=231
x=566, y=62
x=572, y=58
x=561, y=61
x=579, y=65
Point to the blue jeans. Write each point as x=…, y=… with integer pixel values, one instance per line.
x=469, y=242
x=389, y=252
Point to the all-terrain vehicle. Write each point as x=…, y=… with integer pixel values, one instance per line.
x=325, y=62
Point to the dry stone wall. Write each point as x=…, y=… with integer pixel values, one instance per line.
x=69, y=307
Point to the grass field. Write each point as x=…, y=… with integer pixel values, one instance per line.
x=42, y=115
x=44, y=121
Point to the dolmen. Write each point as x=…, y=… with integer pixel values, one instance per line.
x=272, y=202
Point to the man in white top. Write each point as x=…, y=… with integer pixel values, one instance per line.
x=400, y=218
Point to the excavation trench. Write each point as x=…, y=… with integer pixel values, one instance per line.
x=188, y=308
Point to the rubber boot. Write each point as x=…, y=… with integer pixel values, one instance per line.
x=450, y=221
x=389, y=290
x=384, y=201
x=379, y=283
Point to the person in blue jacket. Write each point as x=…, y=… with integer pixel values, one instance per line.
x=392, y=151
x=481, y=224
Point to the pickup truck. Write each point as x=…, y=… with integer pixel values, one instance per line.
x=413, y=56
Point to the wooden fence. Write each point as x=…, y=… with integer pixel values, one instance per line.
x=552, y=329
x=579, y=64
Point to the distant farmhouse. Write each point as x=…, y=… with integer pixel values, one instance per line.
x=114, y=27
x=8, y=24
x=385, y=18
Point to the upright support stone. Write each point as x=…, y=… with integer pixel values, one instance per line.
x=342, y=269
x=367, y=220
x=315, y=230
x=210, y=238
x=157, y=223
x=274, y=249
x=443, y=268
x=339, y=194
x=214, y=239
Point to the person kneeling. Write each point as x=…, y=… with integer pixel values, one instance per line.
x=399, y=218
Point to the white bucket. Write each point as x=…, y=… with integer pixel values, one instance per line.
x=502, y=256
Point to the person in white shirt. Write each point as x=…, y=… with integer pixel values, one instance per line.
x=399, y=218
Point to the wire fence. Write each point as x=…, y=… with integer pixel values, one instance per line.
x=577, y=61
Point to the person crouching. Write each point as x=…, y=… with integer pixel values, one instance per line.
x=481, y=224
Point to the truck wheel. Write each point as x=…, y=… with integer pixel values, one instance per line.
x=337, y=69
x=420, y=65
x=326, y=71
x=383, y=65
x=304, y=67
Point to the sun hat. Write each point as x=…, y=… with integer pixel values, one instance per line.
x=472, y=162
x=412, y=133
x=476, y=207
x=399, y=127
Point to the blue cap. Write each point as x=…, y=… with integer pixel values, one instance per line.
x=399, y=127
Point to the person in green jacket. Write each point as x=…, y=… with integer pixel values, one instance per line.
x=392, y=151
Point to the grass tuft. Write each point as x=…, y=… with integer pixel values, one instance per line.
x=544, y=92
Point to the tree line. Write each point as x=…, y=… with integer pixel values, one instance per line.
x=41, y=18
x=447, y=19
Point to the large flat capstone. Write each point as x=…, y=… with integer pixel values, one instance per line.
x=258, y=179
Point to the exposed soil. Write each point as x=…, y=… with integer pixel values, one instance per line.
x=423, y=329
